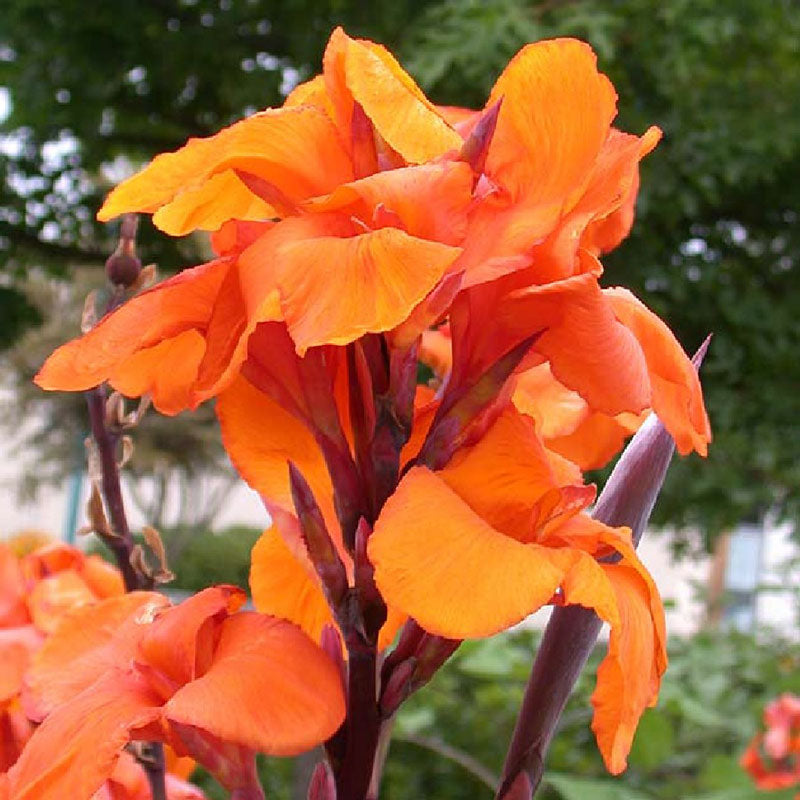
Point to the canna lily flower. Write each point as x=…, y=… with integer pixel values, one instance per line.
x=333, y=177
x=36, y=592
x=771, y=757
x=474, y=548
x=134, y=668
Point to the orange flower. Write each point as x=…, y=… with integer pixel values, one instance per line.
x=36, y=591
x=134, y=668
x=315, y=165
x=771, y=757
x=474, y=548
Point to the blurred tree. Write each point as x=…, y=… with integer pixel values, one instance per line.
x=715, y=247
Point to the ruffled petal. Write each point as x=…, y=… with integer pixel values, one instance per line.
x=101, y=577
x=287, y=693
x=606, y=205
x=429, y=202
x=556, y=114
x=567, y=424
x=221, y=198
x=378, y=277
x=13, y=610
x=295, y=149
x=589, y=349
x=677, y=397
x=54, y=596
x=396, y=106
x=628, y=678
x=74, y=750
x=177, y=644
x=167, y=371
x=176, y=305
x=506, y=473
x=89, y=642
x=17, y=646
x=442, y=564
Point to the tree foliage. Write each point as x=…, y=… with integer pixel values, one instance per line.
x=716, y=242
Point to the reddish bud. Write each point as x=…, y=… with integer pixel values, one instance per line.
x=431, y=654
x=322, y=786
x=123, y=266
x=463, y=407
x=371, y=604
x=398, y=687
x=476, y=147
x=321, y=550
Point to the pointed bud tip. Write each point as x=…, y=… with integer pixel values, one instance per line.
x=520, y=789
x=476, y=146
x=699, y=356
x=322, y=786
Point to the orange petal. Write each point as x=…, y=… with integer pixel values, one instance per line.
x=504, y=475
x=556, y=114
x=13, y=610
x=607, y=230
x=51, y=558
x=74, y=750
x=15, y=731
x=176, y=305
x=221, y=198
x=287, y=693
x=101, y=577
x=167, y=371
x=676, y=394
x=261, y=438
x=395, y=105
x=609, y=197
x=556, y=410
x=309, y=93
x=430, y=201
x=17, y=646
x=589, y=350
x=234, y=236
x=565, y=421
x=283, y=583
x=629, y=676
x=442, y=564
x=296, y=149
x=53, y=596
x=597, y=439
x=177, y=643
x=380, y=277
x=88, y=643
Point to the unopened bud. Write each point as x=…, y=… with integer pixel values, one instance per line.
x=123, y=265
x=323, y=786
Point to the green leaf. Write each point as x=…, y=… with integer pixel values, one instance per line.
x=654, y=742
x=571, y=788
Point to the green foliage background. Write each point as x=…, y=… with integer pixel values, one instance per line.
x=714, y=249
